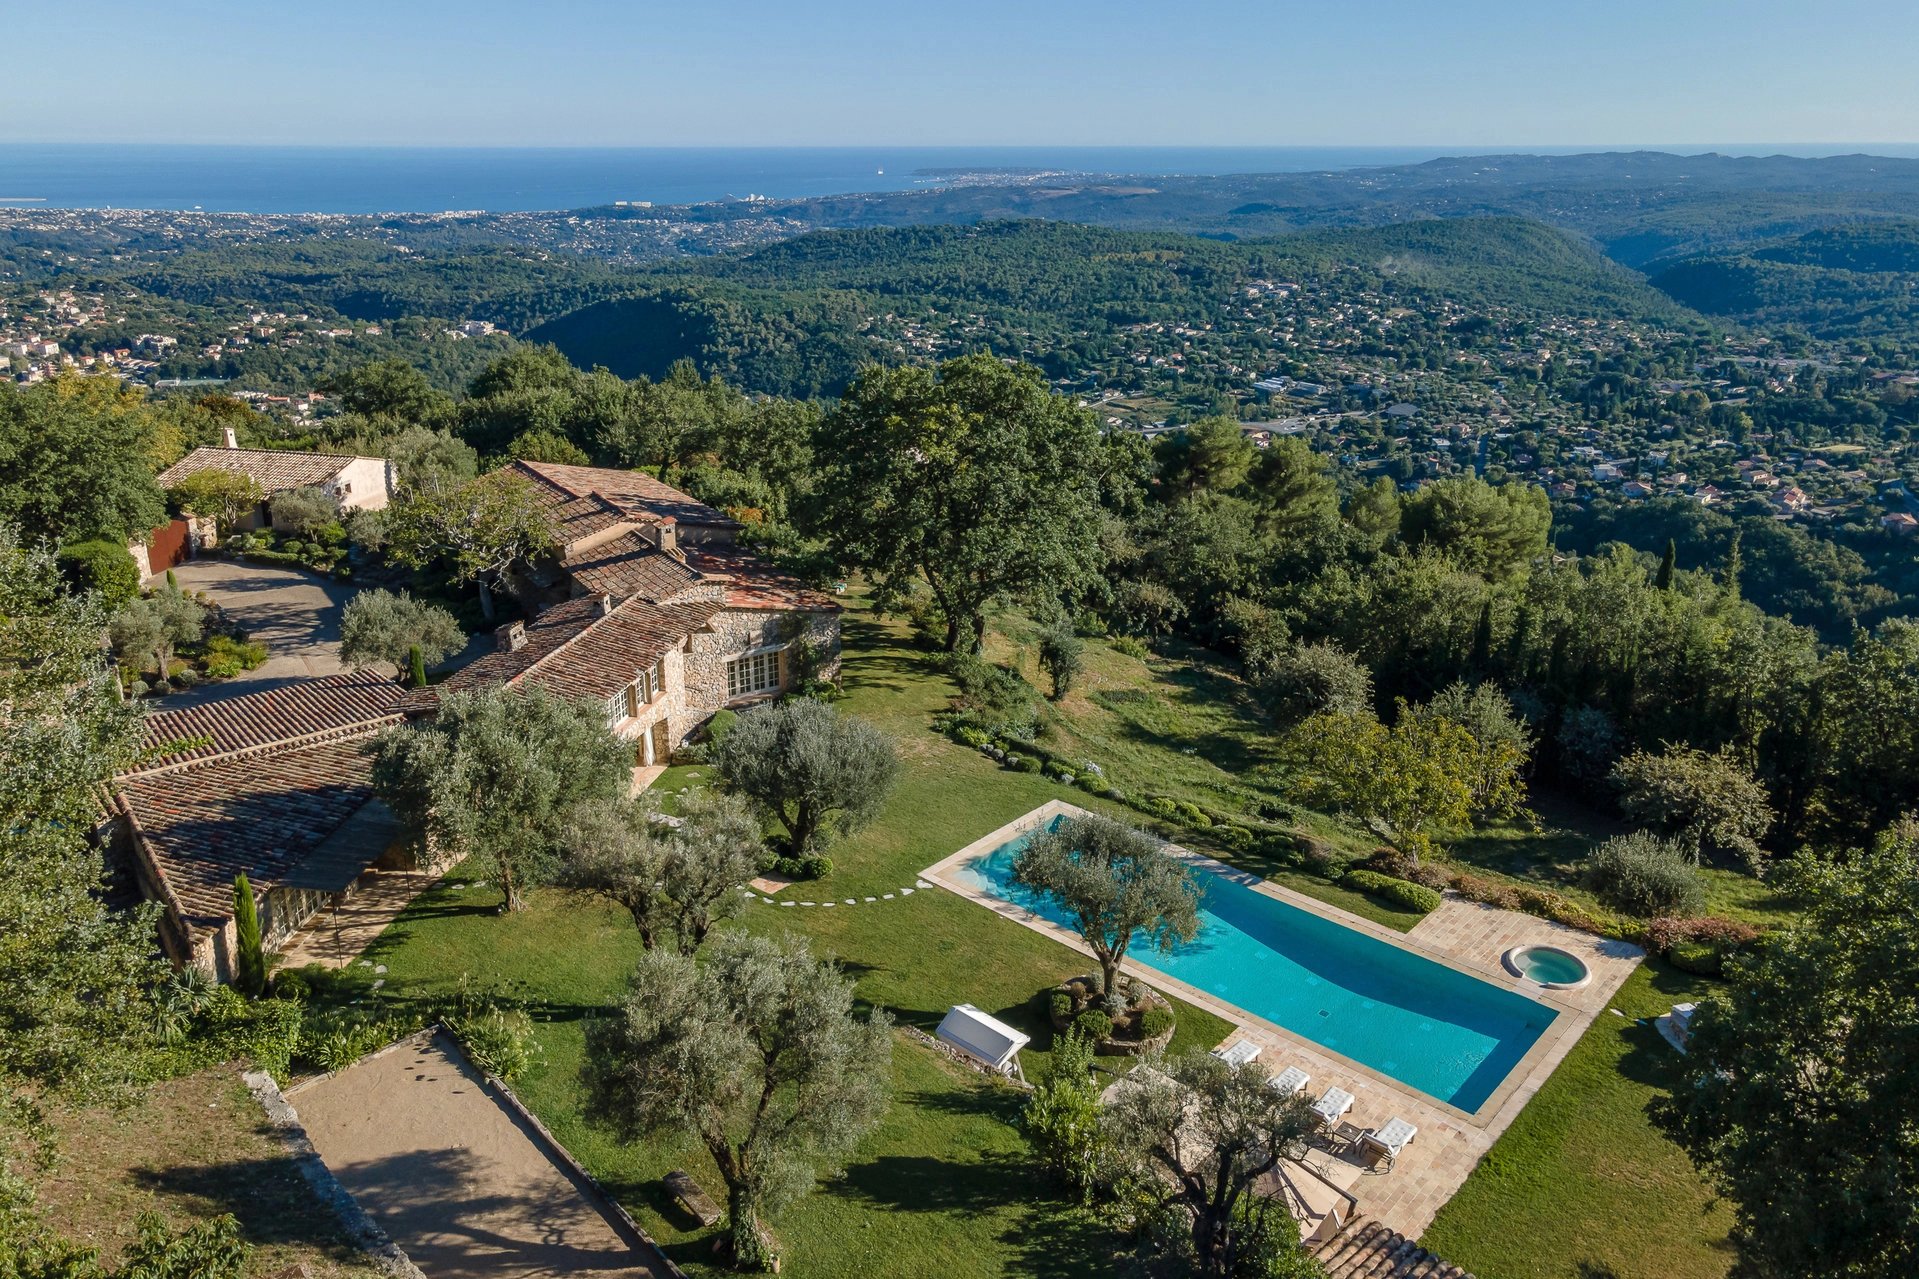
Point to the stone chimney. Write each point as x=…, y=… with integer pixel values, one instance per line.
x=510, y=638
x=229, y=439
x=664, y=534
x=606, y=605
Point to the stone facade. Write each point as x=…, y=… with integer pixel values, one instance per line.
x=737, y=632
x=662, y=724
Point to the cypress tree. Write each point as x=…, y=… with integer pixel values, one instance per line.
x=1556, y=664
x=249, y=961
x=416, y=667
x=1733, y=566
x=1482, y=658
x=1519, y=665
x=1664, y=580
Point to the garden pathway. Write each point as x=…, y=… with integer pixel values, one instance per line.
x=896, y=895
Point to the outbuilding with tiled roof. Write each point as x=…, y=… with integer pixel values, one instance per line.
x=355, y=482
x=277, y=785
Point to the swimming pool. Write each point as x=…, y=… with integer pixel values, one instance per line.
x=1432, y=1027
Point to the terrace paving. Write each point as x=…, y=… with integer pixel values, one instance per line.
x=1465, y=935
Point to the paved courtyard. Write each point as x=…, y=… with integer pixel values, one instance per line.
x=1463, y=935
x=337, y=935
x=458, y=1180
x=295, y=614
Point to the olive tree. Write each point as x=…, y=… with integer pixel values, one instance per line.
x=156, y=626
x=1118, y=883
x=1298, y=680
x=226, y=496
x=496, y=775
x=1193, y=1135
x=676, y=882
x=305, y=510
x=758, y=1053
x=386, y=626
x=817, y=771
x=1063, y=656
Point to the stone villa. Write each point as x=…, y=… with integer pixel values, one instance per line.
x=647, y=607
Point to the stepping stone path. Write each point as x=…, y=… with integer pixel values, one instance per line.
x=750, y=895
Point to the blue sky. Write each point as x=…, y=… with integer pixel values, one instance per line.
x=918, y=72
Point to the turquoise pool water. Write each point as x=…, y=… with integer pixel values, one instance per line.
x=1433, y=1028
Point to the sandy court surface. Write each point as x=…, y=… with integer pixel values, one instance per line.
x=454, y=1177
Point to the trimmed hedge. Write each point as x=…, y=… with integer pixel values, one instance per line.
x=103, y=566
x=1399, y=892
x=1155, y=1022
x=1702, y=959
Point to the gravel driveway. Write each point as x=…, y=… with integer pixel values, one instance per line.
x=460, y=1182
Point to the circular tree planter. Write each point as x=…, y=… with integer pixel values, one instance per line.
x=1082, y=993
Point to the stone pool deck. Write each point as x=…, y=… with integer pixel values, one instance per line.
x=1463, y=935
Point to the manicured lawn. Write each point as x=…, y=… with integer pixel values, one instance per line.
x=943, y=1186
x=1582, y=1186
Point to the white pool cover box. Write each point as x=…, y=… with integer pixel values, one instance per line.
x=986, y=1039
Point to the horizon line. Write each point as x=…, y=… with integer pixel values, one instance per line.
x=1475, y=147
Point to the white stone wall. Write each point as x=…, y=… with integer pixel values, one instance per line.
x=365, y=483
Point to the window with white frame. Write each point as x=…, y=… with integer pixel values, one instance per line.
x=752, y=673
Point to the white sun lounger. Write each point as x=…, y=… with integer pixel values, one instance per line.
x=1289, y=1081
x=1334, y=1105
x=1390, y=1138
x=1238, y=1054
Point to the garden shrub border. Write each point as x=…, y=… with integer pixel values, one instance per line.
x=1079, y=1006
x=1398, y=892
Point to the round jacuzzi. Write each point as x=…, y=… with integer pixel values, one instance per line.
x=1550, y=966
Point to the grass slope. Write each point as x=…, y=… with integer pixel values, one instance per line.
x=943, y=1187
x=192, y=1148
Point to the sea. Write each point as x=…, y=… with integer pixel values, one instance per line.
x=279, y=179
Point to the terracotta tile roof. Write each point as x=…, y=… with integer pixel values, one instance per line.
x=1369, y=1250
x=574, y=518
x=636, y=493
x=275, y=470
x=631, y=565
x=576, y=650
x=753, y=583
x=277, y=715
x=263, y=813
x=552, y=628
